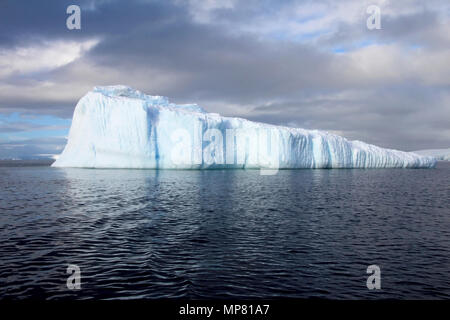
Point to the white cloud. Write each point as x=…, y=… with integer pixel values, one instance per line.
x=42, y=57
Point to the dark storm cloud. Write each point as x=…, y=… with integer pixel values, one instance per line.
x=236, y=70
x=360, y=117
x=21, y=21
x=228, y=65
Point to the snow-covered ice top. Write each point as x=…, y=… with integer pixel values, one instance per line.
x=119, y=127
x=127, y=92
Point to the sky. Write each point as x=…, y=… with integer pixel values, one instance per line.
x=309, y=64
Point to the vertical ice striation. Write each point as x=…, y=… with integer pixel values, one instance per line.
x=119, y=127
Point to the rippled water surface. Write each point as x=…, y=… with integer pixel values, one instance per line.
x=224, y=234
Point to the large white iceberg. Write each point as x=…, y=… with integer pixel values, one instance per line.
x=118, y=127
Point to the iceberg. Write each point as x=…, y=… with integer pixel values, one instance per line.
x=119, y=127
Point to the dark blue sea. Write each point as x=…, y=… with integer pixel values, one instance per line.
x=223, y=233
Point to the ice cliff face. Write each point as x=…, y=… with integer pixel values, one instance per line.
x=118, y=127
